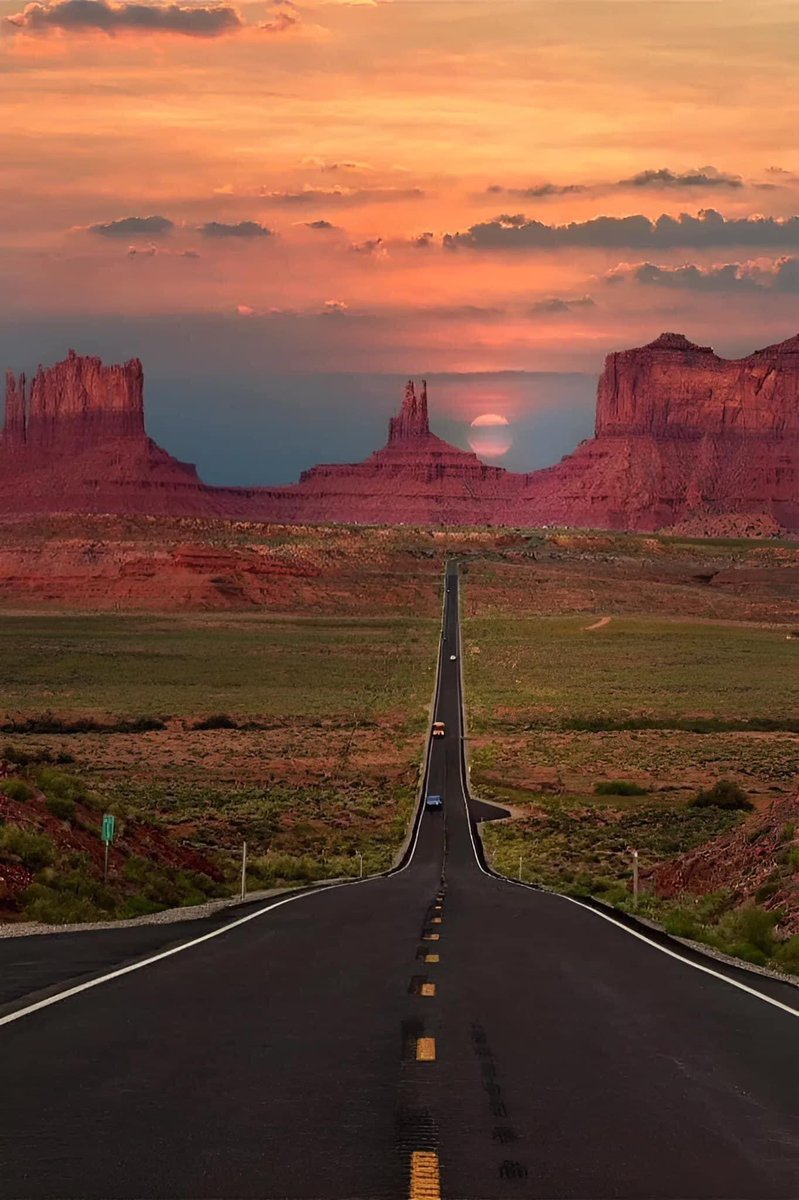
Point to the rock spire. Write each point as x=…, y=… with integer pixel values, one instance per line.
x=412, y=421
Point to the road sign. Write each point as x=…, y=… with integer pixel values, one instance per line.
x=109, y=825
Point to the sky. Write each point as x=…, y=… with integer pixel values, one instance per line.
x=287, y=208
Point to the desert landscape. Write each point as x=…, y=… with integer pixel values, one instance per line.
x=211, y=682
x=683, y=438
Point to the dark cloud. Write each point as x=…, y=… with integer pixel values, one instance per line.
x=781, y=275
x=127, y=227
x=663, y=178
x=340, y=195
x=371, y=246
x=708, y=229
x=539, y=191
x=241, y=229
x=706, y=177
x=320, y=225
x=557, y=304
x=80, y=16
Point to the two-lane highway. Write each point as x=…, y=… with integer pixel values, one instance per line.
x=435, y=1032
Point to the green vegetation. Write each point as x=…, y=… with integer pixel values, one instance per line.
x=16, y=789
x=647, y=734
x=141, y=668
x=619, y=787
x=636, y=673
x=31, y=850
x=568, y=844
x=724, y=794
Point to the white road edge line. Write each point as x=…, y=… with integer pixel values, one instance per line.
x=154, y=958
x=742, y=987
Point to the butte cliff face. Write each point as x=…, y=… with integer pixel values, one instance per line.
x=76, y=403
x=681, y=435
x=74, y=439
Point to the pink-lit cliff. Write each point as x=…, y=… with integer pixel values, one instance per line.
x=680, y=434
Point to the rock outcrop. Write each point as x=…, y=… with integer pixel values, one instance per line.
x=681, y=435
x=78, y=402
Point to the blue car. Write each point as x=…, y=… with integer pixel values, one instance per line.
x=435, y=803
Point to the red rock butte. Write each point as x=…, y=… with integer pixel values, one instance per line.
x=680, y=434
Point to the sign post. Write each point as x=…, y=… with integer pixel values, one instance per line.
x=107, y=835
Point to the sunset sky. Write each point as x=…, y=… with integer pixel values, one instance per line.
x=286, y=208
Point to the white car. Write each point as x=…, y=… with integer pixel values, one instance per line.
x=452, y=658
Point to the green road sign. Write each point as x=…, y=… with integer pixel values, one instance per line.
x=109, y=824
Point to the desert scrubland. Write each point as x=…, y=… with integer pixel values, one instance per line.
x=210, y=682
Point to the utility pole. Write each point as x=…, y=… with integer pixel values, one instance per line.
x=635, y=876
x=243, y=892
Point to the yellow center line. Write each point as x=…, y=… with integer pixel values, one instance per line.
x=431, y=937
x=437, y=920
x=425, y=1176
x=426, y=1049
x=432, y=958
x=428, y=989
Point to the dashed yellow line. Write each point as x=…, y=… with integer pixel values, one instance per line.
x=432, y=937
x=426, y=1049
x=428, y=989
x=432, y=958
x=425, y=1176
x=437, y=920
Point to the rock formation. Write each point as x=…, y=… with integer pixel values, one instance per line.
x=78, y=401
x=681, y=435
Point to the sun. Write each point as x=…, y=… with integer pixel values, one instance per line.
x=490, y=435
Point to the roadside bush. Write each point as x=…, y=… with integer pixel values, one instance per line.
x=787, y=955
x=61, y=807
x=724, y=794
x=67, y=897
x=619, y=787
x=17, y=789
x=748, y=933
x=216, y=721
x=58, y=785
x=34, y=850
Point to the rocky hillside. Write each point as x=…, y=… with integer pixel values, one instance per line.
x=51, y=854
x=757, y=861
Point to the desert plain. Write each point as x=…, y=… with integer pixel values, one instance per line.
x=210, y=682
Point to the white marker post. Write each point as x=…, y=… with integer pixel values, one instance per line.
x=520, y=868
x=360, y=864
x=635, y=876
x=243, y=892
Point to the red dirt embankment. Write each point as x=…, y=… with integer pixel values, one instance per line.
x=80, y=836
x=758, y=859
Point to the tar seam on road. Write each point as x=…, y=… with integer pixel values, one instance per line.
x=742, y=987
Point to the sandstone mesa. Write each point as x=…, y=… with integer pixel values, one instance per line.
x=682, y=435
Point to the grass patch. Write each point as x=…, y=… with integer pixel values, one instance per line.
x=619, y=787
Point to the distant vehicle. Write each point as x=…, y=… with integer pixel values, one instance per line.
x=434, y=803
x=452, y=658
x=439, y=729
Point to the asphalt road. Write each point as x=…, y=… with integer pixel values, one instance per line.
x=437, y=1031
